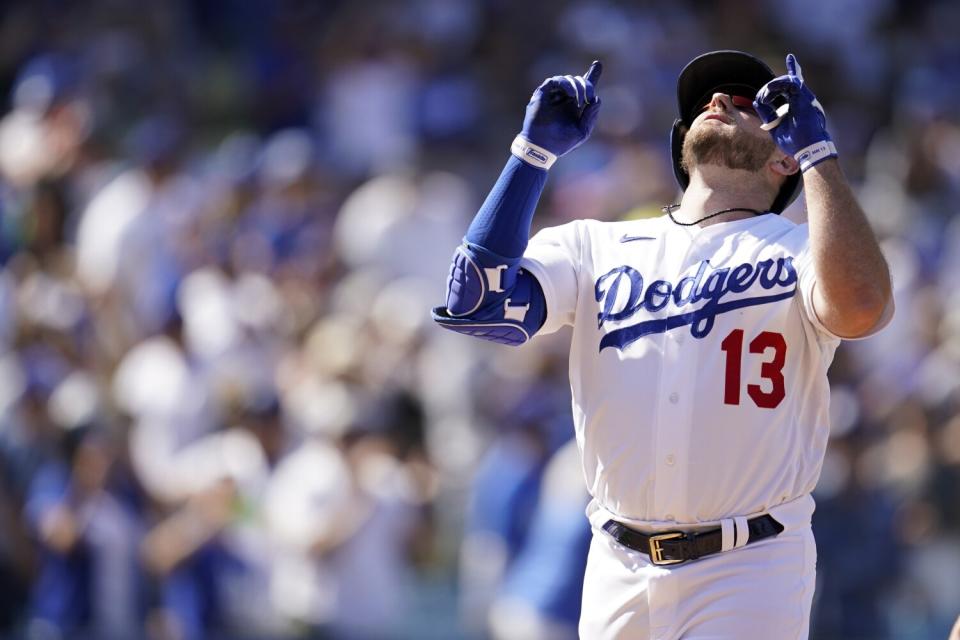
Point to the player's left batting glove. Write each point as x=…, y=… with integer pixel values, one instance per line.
x=560, y=116
x=799, y=125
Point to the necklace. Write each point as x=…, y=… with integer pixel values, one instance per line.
x=670, y=208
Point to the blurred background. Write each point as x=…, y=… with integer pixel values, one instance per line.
x=224, y=412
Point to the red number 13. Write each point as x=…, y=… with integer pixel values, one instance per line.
x=771, y=370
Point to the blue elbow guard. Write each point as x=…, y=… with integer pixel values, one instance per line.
x=490, y=297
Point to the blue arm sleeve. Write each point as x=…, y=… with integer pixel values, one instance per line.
x=502, y=225
x=488, y=295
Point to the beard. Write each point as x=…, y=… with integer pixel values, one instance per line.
x=731, y=148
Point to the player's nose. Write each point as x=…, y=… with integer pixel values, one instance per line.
x=720, y=102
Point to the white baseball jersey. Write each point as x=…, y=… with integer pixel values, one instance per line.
x=698, y=368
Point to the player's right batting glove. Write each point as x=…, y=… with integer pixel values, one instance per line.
x=798, y=125
x=560, y=116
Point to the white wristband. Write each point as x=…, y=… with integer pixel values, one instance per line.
x=534, y=155
x=809, y=156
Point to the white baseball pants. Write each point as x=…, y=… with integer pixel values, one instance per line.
x=762, y=590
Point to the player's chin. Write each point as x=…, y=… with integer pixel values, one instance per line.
x=712, y=131
x=732, y=147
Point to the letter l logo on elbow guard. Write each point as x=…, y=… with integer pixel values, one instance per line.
x=517, y=313
x=495, y=277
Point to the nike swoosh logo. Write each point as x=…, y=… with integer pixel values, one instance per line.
x=627, y=238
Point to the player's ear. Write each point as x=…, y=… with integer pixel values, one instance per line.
x=784, y=164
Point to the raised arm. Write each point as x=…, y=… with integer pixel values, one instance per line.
x=853, y=282
x=488, y=295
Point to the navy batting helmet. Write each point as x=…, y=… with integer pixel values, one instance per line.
x=732, y=72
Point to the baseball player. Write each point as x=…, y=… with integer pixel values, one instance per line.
x=701, y=342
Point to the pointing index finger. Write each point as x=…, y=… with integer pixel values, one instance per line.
x=793, y=66
x=593, y=73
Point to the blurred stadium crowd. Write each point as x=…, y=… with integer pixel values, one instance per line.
x=224, y=412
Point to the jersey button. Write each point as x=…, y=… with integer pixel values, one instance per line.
x=670, y=460
x=674, y=397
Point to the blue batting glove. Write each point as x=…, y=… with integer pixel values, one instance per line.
x=560, y=116
x=798, y=126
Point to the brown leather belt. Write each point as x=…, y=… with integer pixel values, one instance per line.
x=674, y=547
